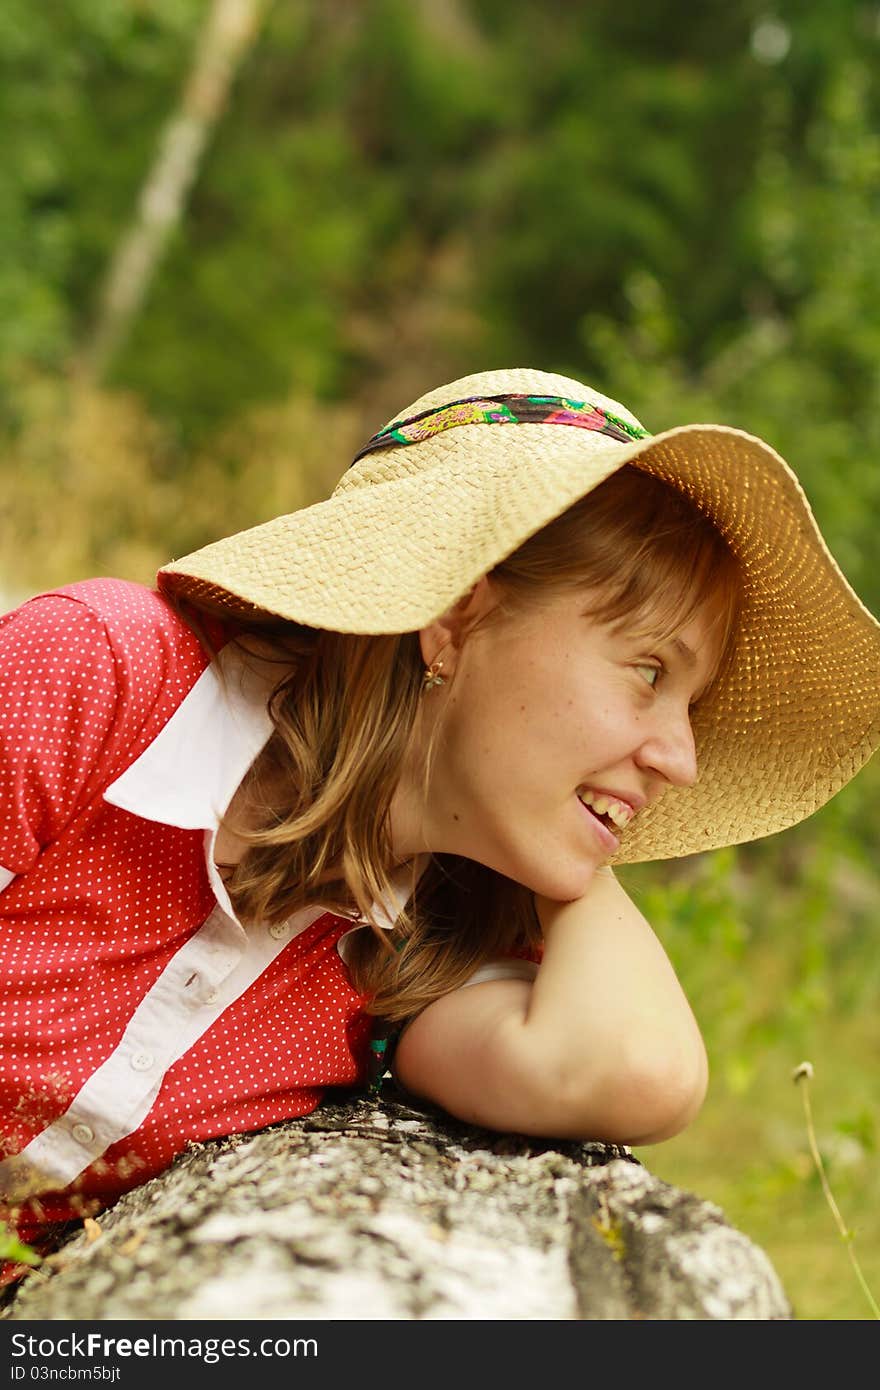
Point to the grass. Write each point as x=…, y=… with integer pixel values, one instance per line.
x=750, y=1154
x=776, y=948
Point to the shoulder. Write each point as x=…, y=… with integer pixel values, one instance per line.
x=107, y=640
x=129, y=611
x=130, y=621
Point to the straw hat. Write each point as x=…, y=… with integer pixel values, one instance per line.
x=433, y=503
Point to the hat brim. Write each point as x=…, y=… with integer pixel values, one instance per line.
x=793, y=717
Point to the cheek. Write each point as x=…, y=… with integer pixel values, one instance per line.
x=484, y=723
x=495, y=735
x=527, y=733
x=600, y=725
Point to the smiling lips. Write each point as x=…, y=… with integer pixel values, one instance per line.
x=618, y=812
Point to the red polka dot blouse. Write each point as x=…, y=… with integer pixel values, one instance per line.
x=136, y=1012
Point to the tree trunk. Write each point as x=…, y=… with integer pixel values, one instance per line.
x=227, y=35
x=374, y=1210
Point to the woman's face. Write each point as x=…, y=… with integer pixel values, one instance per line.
x=549, y=708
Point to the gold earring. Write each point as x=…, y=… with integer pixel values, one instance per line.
x=432, y=675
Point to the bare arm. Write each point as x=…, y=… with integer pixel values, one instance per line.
x=603, y=1044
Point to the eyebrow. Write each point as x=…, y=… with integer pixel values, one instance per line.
x=682, y=650
x=688, y=657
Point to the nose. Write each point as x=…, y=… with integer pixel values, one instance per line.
x=669, y=750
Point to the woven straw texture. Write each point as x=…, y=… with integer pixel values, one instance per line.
x=407, y=531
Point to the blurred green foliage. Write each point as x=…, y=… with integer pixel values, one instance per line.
x=678, y=203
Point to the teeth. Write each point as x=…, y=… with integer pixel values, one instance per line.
x=618, y=813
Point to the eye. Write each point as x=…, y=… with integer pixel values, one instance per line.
x=650, y=671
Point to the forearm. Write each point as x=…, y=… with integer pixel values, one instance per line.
x=603, y=1044
x=614, y=1039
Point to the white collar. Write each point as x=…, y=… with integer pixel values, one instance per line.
x=190, y=772
x=188, y=775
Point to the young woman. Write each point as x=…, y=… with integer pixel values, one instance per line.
x=363, y=770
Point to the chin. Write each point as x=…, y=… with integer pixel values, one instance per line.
x=565, y=886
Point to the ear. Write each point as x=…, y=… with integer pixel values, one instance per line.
x=443, y=638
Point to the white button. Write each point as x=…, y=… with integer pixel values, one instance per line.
x=278, y=930
x=83, y=1134
x=212, y=997
x=142, y=1061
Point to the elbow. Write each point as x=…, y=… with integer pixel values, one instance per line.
x=651, y=1094
x=668, y=1094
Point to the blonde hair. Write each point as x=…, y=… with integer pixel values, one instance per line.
x=320, y=793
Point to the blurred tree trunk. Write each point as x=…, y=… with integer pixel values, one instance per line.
x=229, y=31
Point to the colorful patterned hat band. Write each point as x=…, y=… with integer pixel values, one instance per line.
x=509, y=409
